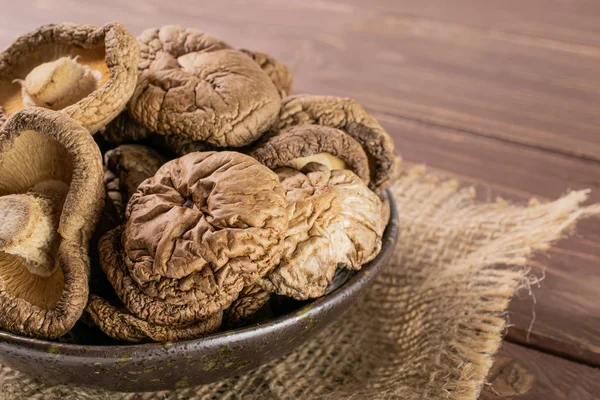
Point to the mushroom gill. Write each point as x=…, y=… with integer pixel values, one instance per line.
x=51, y=193
x=85, y=71
x=298, y=145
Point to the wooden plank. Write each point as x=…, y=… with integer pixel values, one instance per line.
x=480, y=81
x=520, y=373
x=419, y=76
x=553, y=23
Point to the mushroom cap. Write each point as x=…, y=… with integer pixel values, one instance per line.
x=250, y=301
x=335, y=221
x=110, y=50
x=349, y=116
x=121, y=325
x=37, y=146
x=278, y=72
x=205, y=226
x=124, y=129
x=132, y=164
x=297, y=145
x=114, y=195
x=195, y=86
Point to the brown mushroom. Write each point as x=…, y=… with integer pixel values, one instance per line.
x=87, y=72
x=51, y=194
x=278, y=72
x=113, y=194
x=251, y=299
x=199, y=231
x=349, y=116
x=299, y=145
x=132, y=164
x=124, y=129
x=195, y=86
x=119, y=324
x=334, y=221
x=126, y=167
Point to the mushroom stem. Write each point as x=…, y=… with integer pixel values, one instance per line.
x=327, y=159
x=58, y=84
x=29, y=226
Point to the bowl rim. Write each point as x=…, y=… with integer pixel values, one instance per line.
x=366, y=273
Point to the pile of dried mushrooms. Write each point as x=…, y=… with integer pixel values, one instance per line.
x=166, y=187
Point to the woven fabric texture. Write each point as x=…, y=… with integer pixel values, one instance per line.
x=429, y=326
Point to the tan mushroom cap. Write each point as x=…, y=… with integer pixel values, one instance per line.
x=51, y=176
x=349, y=116
x=199, y=231
x=335, y=221
x=121, y=325
x=249, y=302
x=278, y=72
x=85, y=71
x=298, y=145
x=124, y=129
x=195, y=86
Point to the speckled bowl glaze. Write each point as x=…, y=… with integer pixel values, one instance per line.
x=170, y=365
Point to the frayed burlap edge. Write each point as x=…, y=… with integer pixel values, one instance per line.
x=430, y=325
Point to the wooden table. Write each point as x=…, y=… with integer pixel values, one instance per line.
x=502, y=95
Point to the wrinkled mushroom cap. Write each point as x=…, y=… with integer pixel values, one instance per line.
x=195, y=86
x=335, y=221
x=132, y=164
x=205, y=226
x=298, y=145
x=278, y=72
x=249, y=302
x=48, y=159
x=124, y=129
x=349, y=116
x=126, y=166
x=87, y=72
x=121, y=325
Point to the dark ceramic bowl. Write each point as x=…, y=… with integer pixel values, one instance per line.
x=160, y=366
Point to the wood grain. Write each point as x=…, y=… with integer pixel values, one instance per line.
x=421, y=68
x=520, y=373
x=506, y=99
x=553, y=23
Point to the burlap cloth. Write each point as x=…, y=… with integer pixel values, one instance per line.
x=428, y=328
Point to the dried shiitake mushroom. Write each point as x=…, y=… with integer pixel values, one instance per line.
x=119, y=324
x=132, y=164
x=350, y=117
x=126, y=167
x=280, y=74
x=199, y=231
x=85, y=71
x=124, y=129
x=195, y=86
x=113, y=194
x=299, y=145
x=51, y=194
x=250, y=300
x=335, y=220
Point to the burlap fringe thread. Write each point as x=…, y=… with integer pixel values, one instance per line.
x=428, y=328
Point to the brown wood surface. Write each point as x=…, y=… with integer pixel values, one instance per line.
x=520, y=373
x=501, y=95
